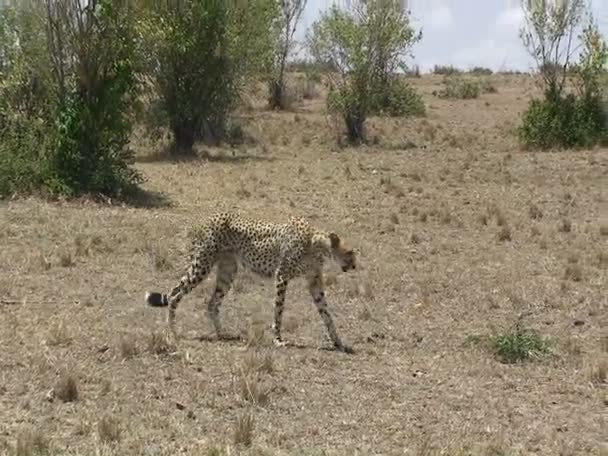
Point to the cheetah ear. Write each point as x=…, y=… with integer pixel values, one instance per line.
x=334, y=240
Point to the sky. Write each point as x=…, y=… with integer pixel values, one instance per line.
x=465, y=33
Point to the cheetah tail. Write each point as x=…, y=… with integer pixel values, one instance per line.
x=156, y=299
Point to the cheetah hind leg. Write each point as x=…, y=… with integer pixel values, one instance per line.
x=226, y=271
x=281, y=289
x=195, y=274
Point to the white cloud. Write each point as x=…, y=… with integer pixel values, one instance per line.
x=510, y=20
x=440, y=17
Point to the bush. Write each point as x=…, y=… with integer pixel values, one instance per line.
x=562, y=118
x=568, y=121
x=398, y=98
x=481, y=71
x=447, y=70
x=457, y=87
x=520, y=344
x=74, y=67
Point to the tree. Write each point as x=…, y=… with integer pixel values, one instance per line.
x=285, y=27
x=366, y=45
x=200, y=51
x=548, y=35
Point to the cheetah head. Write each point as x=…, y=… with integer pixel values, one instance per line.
x=342, y=253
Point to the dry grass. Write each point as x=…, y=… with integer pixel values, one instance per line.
x=58, y=334
x=424, y=220
x=66, y=387
x=243, y=429
x=109, y=429
x=161, y=343
x=31, y=442
x=128, y=346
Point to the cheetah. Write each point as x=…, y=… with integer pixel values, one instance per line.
x=282, y=251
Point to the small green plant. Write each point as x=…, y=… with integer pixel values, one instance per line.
x=517, y=345
x=456, y=87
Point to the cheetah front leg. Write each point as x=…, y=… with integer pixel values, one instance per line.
x=315, y=287
x=281, y=289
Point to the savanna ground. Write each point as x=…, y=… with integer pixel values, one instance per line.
x=459, y=232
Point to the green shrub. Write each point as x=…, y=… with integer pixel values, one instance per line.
x=398, y=99
x=564, y=118
x=567, y=121
x=456, y=87
x=65, y=98
x=518, y=345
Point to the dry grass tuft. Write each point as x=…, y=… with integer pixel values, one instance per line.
x=106, y=387
x=251, y=387
x=109, y=429
x=128, y=346
x=414, y=238
x=604, y=344
x=365, y=313
x=535, y=212
x=256, y=362
x=39, y=262
x=66, y=387
x=66, y=260
x=597, y=371
x=31, y=442
x=565, y=226
x=243, y=429
x=391, y=188
x=501, y=219
x=504, y=234
x=161, y=343
x=255, y=335
x=361, y=289
x=158, y=256
x=58, y=334
x=81, y=246
x=573, y=272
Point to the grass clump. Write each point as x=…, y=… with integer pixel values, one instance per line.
x=243, y=429
x=458, y=88
x=518, y=345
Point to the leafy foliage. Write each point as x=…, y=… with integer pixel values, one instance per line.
x=199, y=52
x=67, y=81
x=518, y=345
x=366, y=45
x=562, y=119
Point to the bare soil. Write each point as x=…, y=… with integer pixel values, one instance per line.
x=459, y=232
